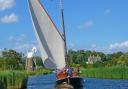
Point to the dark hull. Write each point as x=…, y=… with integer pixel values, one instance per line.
x=75, y=82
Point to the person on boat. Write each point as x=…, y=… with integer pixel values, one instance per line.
x=69, y=72
x=78, y=70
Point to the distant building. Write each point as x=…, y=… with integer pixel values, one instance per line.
x=93, y=59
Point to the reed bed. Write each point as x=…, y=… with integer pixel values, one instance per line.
x=14, y=79
x=118, y=72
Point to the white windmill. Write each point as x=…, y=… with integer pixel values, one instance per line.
x=30, y=61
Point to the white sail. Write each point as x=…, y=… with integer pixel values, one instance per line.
x=50, y=41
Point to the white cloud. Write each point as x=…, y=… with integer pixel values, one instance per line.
x=108, y=49
x=87, y=24
x=121, y=45
x=6, y=4
x=22, y=37
x=116, y=47
x=25, y=47
x=93, y=45
x=18, y=39
x=98, y=48
x=21, y=43
x=107, y=12
x=9, y=18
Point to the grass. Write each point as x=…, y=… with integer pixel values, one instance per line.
x=14, y=79
x=117, y=72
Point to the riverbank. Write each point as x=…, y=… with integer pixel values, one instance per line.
x=117, y=72
x=16, y=79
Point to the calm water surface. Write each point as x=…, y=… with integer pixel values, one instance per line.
x=48, y=82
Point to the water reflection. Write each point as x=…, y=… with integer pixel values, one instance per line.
x=66, y=86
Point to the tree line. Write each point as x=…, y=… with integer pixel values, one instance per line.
x=11, y=59
x=107, y=60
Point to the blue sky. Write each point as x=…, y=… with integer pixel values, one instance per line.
x=100, y=25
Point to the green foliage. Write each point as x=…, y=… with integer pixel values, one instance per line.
x=98, y=64
x=84, y=65
x=11, y=60
x=39, y=62
x=107, y=60
x=11, y=54
x=12, y=79
x=116, y=72
x=16, y=79
x=14, y=60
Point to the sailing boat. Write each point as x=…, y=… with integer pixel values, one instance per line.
x=51, y=43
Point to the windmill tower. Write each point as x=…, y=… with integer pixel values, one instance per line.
x=30, y=61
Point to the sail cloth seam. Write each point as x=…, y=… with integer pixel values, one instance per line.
x=45, y=43
x=51, y=20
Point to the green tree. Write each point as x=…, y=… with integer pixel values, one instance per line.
x=11, y=54
x=11, y=59
x=39, y=61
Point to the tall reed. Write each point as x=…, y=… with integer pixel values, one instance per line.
x=14, y=79
x=117, y=72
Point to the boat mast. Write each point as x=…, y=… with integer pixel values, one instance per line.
x=63, y=28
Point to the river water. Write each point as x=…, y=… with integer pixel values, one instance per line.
x=48, y=82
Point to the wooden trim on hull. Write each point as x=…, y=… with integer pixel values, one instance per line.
x=64, y=75
x=75, y=82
